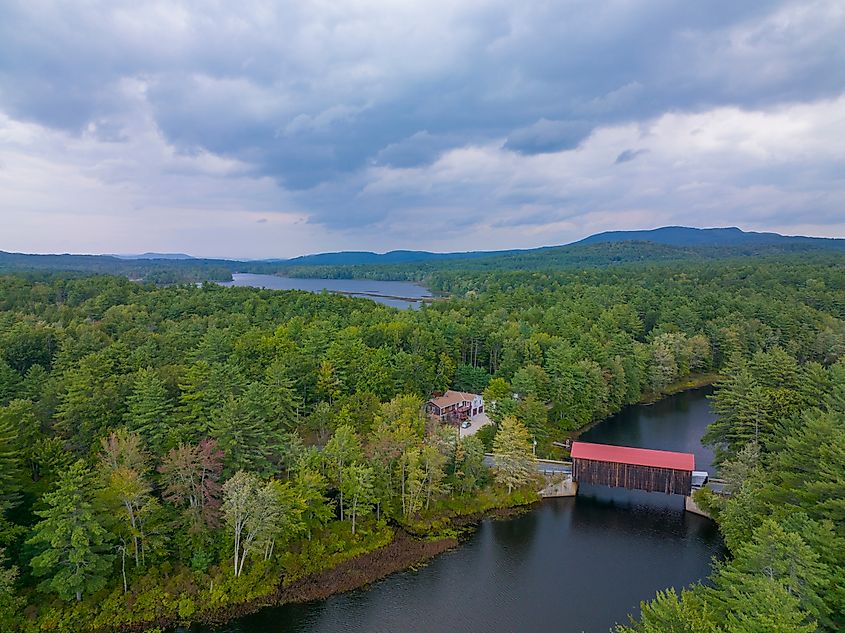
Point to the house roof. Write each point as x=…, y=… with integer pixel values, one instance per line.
x=452, y=397
x=633, y=456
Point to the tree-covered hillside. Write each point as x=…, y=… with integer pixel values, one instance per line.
x=667, y=244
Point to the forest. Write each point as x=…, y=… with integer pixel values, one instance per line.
x=685, y=245
x=168, y=452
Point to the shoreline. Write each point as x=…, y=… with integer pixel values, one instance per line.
x=690, y=383
x=431, y=297
x=405, y=551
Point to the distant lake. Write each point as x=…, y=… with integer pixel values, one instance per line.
x=398, y=294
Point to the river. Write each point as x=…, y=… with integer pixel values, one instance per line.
x=569, y=565
x=398, y=294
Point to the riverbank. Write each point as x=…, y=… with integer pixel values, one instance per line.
x=689, y=383
x=403, y=552
x=692, y=381
x=333, y=562
x=411, y=545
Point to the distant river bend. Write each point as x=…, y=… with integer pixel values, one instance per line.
x=398, y=294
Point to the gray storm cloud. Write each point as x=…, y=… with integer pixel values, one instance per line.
x=365, y=119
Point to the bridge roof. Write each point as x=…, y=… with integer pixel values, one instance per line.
x=633, y=456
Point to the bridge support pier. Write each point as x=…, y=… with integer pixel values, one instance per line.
x=691, y=506
x=561, y=488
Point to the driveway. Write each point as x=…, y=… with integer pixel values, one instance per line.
x=476, y=422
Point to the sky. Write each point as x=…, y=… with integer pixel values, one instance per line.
x=272, y=129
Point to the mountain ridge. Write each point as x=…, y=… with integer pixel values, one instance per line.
x=611, y=247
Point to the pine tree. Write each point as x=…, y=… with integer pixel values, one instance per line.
x=149, y=411
x=10, y=463
x=781, y=557
x=249, y=434
x=18, y=418
x=9, y=382
x=91, y=400
x=205, y=389
x=284, y=400
x=74, y=557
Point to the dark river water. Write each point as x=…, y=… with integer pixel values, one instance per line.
x=399, y=294
x=577, y=564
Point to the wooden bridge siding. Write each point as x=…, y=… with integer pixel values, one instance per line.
x=618, y=475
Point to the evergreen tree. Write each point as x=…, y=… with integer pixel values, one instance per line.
x=149, y=408
x=74, y=556
x=10, y=462
x=249, y=434
x=284, y=400
x=782, y=557
x=9, y=382
x=33, y=384
x=18, y=418
x=91, y=401
x=668, y=613
x=205, y=389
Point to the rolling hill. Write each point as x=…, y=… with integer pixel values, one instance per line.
x=671, y=243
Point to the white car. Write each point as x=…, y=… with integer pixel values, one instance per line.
x=466, y=424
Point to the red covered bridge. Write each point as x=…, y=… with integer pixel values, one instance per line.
x=632, y=468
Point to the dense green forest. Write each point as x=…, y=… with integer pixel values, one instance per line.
x=167, y=452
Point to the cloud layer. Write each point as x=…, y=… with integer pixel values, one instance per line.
x=272, y=129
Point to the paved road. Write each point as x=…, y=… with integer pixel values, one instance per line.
x=543, y=465
x=719, y=487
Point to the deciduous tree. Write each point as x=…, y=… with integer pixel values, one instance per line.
x=515, y=463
